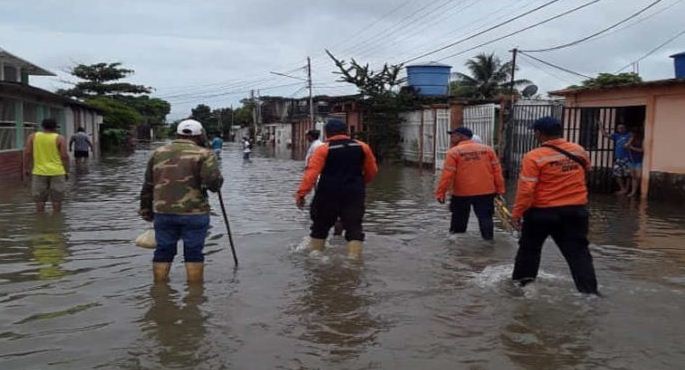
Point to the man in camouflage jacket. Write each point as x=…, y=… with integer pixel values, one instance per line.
x=174, y=196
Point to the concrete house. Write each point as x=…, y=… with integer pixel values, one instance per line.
x=23, y=107
x=656, y=108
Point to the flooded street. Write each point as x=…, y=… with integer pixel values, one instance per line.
x=76, y=293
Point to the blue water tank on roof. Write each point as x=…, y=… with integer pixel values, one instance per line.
x=430, y=79
x=679, y=64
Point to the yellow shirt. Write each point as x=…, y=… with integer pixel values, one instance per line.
x=46, y=158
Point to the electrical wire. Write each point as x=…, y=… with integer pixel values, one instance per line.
x=671, y=39
x=522, y=29
x=417, y=14
x=554, y=65
x=412, y=31
x=576, y=42
x=536, y=65
x=482, y=32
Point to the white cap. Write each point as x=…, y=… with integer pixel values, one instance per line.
x=477, y=139
x=189, y=127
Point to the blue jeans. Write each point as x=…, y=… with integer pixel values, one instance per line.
x=170, y=228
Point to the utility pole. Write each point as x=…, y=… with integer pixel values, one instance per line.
x=513, y=72
x=311, y=98
x=231, y=130
x=254, y=114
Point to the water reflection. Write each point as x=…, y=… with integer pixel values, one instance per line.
x=334, y=310
x=543, y=335
x=48, y=245
x=178, y=329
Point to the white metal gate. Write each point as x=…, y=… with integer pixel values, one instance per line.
x=442, y=140
x=481, y=120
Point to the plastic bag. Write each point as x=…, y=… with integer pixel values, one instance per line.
x=147, y=240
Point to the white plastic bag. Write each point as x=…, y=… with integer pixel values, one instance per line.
x=147, y=240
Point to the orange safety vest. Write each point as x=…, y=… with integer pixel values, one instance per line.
x=471, y=169
x=549, y=178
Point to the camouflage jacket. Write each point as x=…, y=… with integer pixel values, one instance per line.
x=177, y=178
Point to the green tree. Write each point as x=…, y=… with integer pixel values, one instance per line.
x=102, y=79
x=489, y=78
x=610, y=79
x=124, y=104
x=381, y=103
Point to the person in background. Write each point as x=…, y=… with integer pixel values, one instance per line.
x=314, y=142
x=635, y=153
x=551, y=200
x=621, y=169
x=473, y=174
x=247, y=148
x=343, y=167
x=46, y=159
x=80, y=144
x=217, y=146
x=174, y=197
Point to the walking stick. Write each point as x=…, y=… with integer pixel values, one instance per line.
x=228, y=227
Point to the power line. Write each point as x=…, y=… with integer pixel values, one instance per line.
x=596, y=33
x=553, y=65
x=412, y=31
x=400, y=23
x=672, y=38
x=464, y=29
x=522, y=29
x=482, y=32
x=535, y=65
x=236, y=92
x=637, y=21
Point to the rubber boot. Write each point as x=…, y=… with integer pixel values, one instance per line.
x=160, y=271
x=195, y=272
x=317, y=244
x=354, y=249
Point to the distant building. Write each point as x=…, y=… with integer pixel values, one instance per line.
x=23, y=107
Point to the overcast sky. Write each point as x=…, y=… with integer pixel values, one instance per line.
x=214, y=52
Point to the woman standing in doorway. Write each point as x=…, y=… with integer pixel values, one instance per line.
x=635, y=152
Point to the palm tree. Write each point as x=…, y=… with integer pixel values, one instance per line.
x=488, y=80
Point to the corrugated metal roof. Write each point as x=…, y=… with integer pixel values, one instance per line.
x=16, y=87
x=25, y=65
x=656, y=83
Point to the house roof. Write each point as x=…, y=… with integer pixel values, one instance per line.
x=677, y=55
x=26, y=66
x=655, y=83
x=10, y=87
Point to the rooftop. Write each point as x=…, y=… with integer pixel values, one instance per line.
x=19, y=88
x=26, y=66
x=645, y=84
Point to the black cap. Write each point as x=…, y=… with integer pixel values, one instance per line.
x=463, y=131
x=335, y=126
x=548, y=125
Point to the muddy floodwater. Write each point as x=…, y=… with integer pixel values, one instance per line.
x=75, y=293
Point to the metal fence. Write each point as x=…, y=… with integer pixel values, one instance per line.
x=581, y=125
x=481, y=120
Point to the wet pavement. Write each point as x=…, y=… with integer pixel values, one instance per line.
x=75, y=293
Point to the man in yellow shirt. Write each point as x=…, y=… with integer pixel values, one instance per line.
x=46, y=159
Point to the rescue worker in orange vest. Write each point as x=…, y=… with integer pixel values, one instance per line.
x=551, y=199
x=343, y=167
x=473, y=174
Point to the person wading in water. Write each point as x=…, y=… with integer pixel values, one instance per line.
x=551, y=199
x=473, y=173
x=343, y=167
x=174, y=197
x=47, y=161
